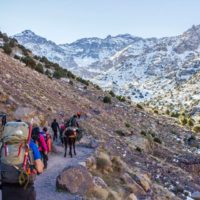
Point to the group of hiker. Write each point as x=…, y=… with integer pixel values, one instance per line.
x=24, y=154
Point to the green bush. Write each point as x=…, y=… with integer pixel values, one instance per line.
x=182, y=120
x=167, y=112
x=112, y=93
x=174, y=114
x=107, y=99
x=97, y=87
x=29, y=61
x=39, y=68
x=47, y=72
x=7, y=49
x=127, y=125
x=82, y=81
x=121, y=98
x=57, y=74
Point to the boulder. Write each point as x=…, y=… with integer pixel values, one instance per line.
x=99, y=182
x=75, y=180
x=132, y=197
x=196, y=195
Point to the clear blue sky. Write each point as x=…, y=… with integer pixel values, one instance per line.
x=65, y=21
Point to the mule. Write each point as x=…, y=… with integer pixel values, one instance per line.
x=69, y=139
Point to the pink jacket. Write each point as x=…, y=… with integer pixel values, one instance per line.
x=43, y=145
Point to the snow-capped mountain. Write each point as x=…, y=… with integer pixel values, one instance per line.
x=81, y=56
x=132, y=66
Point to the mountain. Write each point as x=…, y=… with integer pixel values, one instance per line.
x=137, y=155
x=141, y=69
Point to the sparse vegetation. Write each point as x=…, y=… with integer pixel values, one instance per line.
x=121, y=98
x=82, y=81
x=196, y=129
x=107, y=99
x=139, y=106
x=112, y=93
x=7, y=49
x=127, y=125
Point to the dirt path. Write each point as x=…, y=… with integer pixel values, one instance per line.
x=45, y=183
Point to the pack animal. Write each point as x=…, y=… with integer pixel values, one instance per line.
x=69, y=138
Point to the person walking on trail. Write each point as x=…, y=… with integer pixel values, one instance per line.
x=39, y=140
x=20, y=162
x=72, y=122
x=55, y=128
x=47, y=139
x=62, y=128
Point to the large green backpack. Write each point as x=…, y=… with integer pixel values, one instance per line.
x=13, y=148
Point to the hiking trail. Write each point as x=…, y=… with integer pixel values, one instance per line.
x=45, y=184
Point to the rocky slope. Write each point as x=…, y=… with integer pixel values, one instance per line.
x=155, y=159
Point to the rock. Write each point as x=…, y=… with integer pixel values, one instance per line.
x=103, y=162
x=99, y=182
x=132, y=197
x=75, y=180
x=97, y=193
x=93, y=143
x=142, y=143
x=91, y=163
x=114, y=195
x=144, y=181
x=196, y=195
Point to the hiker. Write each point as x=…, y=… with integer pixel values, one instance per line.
x=62, y=128
x=20, y=162
x=55, y=127
x=3, y=120
x=48, y=139
x=72, y=122
x=39, y=140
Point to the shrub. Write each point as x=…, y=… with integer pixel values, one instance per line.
x=196, y=129
x=47, y=72
x=157, y=140
x=12, y=42
x=71, y=82
x=120, y=133
x=29, y=61
x=103, y=161
x=107, y=99
x=121, y=98
x=138, y=149
x=155, y=111
x=7, y=49
x=39, y=68
x=57, y=74
x=127, y=125
x=190, y=122
x=167, y=112
x=139, y=106
x=112, y=93
x=182, y=120
x=97, y=87
x=174, y=114
x=143, y=133
x=82, y=81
